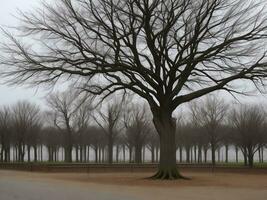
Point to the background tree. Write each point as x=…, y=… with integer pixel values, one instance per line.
x=97, y=140
x=168, y=52
x=5, y=133
x=137, y=128
x=248, y=130
x=64, y=107
x=26, y=116
x=52, y=139
x=109, y=124
x=210, y=116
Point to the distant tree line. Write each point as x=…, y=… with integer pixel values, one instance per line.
x=73, y=129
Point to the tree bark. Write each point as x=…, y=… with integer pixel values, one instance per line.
x=165, y=126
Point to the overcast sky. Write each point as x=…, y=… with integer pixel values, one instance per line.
x=9, y=95
x=12, y=94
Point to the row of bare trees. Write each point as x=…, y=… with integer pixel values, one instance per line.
x=213, y=124
x=73, y=129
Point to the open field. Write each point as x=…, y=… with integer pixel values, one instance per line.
x=132, y=186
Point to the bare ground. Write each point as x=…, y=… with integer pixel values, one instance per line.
x=128, y=186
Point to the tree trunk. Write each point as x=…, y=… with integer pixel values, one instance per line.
x=123, y=153
x=219, y=154
x=68, y=153
x=199, y=159
x=250, y=156
x=195, y=153
x=236, y=154
x=157, y=154
x=205, y=154
x=110, y=149
x=226, y=153
x=187, y=151
x=130, y=154
x=213, y=153
x=29, y=153
x=138, y=154
x=117, y=153
x=88, y=154
x=35, y=152
x=41, y=153
x=152, y=154
x=96, y=154
x=181, y=153
x=262, y=157
x=165, y=126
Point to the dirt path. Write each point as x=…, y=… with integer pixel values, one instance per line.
x=130, y=186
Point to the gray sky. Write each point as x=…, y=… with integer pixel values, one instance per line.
x=9, y=95
x=12, y=94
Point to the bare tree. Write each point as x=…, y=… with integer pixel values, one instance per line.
x=137, y=128
x=26, y=116
x=52, y=139
x=5, y=133
x=97, y=141
x=210, y=115
x=248, y=130
x=168, y=52
x=81, y=122
x=64, y=107
x=108, y=121
x=153, y=144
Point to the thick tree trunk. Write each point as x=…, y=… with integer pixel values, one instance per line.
x=165, y=126
x=250, y=157
x=68, y=153
x=138, y=154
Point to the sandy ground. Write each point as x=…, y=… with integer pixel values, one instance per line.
x=130, y=186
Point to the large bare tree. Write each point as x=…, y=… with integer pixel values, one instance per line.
x=168, y=52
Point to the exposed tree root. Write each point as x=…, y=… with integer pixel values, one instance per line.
x=168, y=174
